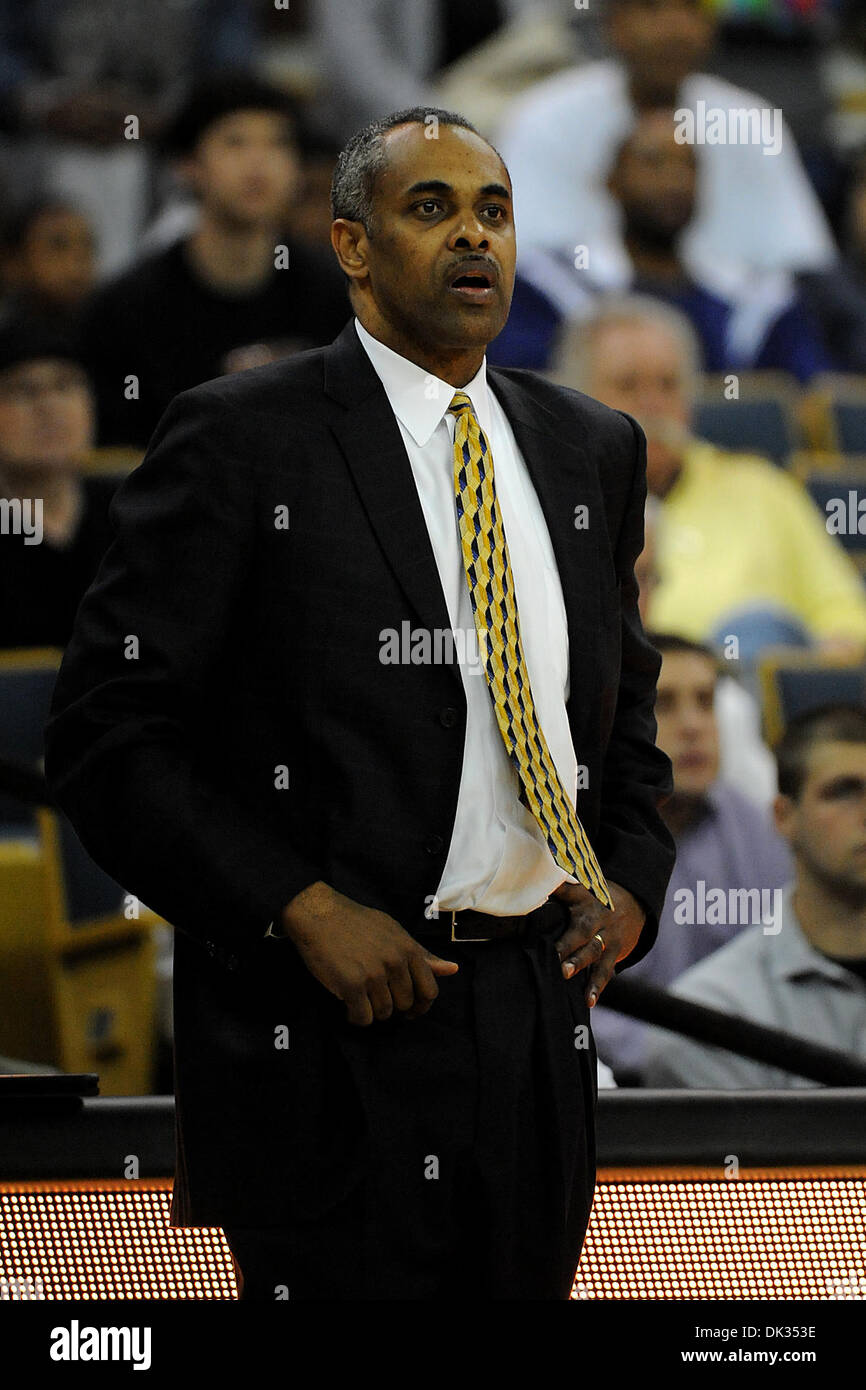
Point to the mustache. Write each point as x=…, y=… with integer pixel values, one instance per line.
x=474, y=262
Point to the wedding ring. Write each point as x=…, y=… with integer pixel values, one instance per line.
x=598, y=937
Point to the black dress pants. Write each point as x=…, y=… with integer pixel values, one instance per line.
x=480, y=1165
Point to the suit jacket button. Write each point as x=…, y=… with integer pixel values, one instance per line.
x=448, y=717
x=435, y=844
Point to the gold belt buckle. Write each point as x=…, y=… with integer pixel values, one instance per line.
x=459, y=939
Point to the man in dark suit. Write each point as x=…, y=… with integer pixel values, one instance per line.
x=261, y=729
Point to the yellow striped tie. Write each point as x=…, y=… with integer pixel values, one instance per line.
x=494, y=604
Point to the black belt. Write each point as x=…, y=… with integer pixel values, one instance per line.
x=469, y=925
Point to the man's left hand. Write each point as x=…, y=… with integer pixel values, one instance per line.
x=580, y=946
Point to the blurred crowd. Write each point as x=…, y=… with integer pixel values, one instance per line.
x=164, y=176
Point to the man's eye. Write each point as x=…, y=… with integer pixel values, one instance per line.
x=428, y=204
x=845, y=789
x=497, y=209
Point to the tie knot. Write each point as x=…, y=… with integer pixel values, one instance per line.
x=459, y=402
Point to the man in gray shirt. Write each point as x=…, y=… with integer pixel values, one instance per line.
x=804, y=968
x=724, y=844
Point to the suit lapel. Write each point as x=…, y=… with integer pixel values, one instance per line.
x=370, y=439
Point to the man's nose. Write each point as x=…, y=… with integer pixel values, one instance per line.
x=694, y=722
x=470, y=232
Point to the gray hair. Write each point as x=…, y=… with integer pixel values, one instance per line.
x=575, y=346
x=362, y=160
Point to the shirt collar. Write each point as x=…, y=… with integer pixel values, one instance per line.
x=419, y=399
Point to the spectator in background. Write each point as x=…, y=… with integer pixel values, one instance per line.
x=310, y=212
x=855, y=241
x=653, y=183
x=807, y=973
x=745, y=761
x=743, y=552
x=536, y=41
x=843, y=73
x=837, y=297
x=47, y=263
x=308, y=218
x=175, y=319
x=559, y=142
x=381, y=55
x=72, y=73
x=46, y=429
x=722, y=839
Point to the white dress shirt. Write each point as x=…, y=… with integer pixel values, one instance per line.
x=498, y=861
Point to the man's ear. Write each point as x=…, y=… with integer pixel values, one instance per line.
x=349, y=240
x=784, y=810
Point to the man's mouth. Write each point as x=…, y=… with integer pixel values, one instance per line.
x=476, y=283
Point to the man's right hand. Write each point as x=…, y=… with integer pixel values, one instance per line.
x=362, y=955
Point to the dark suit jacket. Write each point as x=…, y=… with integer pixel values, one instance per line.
x=218, y=651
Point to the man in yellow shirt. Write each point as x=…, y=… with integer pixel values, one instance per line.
x=742, y=549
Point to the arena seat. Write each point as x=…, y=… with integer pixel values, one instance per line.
x=761, y=420
x=77, y=974
x=835, y=412
x=112, y=462
x=27, y=677
x=839, y=493
x=795, y=679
